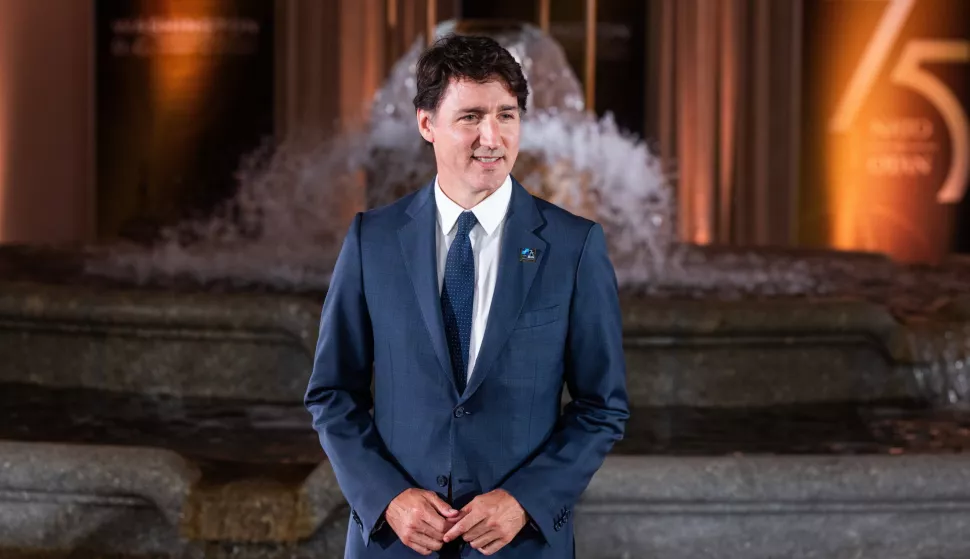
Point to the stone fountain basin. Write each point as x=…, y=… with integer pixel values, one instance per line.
x=240, y=345
x=62, y=495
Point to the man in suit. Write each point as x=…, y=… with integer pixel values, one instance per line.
x=470, y=303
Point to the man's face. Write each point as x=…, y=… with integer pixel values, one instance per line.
x=475, y=133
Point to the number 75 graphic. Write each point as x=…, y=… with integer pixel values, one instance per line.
x=908, y=73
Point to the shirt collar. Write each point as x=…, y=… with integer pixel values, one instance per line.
x=489, y=212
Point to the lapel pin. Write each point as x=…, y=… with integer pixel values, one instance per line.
x=527, y=255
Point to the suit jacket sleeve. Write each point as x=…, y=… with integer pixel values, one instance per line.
x=595, y=370
x=339, y=397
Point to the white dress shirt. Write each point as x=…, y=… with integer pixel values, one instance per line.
x=486, y=240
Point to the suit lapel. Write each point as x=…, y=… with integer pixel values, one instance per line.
x=514, y=280
x=419, y=246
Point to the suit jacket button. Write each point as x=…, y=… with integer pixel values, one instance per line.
x=460, y=411
x=442, y=481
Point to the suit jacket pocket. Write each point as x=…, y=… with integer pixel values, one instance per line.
x=538, y=317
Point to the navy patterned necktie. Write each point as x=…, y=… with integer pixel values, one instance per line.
x=457, y=295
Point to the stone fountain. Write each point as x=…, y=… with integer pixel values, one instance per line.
x=785, y=403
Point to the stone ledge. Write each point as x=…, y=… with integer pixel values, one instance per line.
x=784, y=316
x=782, y=321
x=766, y=507
x=160, y=477
x=779, y=479
x=292, y=316
x=247, y=510
x=196, y=344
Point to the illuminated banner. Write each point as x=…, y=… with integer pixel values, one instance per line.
x=889, y=142
x=184, y=90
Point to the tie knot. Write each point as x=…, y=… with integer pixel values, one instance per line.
x=466, y=221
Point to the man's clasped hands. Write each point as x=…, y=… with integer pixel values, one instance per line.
x=424, y=522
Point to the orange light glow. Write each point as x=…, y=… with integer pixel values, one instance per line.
x=181, y=66
x=843, y=194
x=842, y=197
x=7, y=59
x=897, y=157
x=179, y=70
x=180, y=45
x=4, y=124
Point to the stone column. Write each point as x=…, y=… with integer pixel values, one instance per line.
x=334, y=55
x=46, y=122
x=729, y=115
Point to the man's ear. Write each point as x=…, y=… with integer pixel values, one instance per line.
x=425, y=124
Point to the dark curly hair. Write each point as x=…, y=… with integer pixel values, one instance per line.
x=466, y=57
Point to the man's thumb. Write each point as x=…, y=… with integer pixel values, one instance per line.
x=443, y=508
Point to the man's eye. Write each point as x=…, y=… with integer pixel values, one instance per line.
x=468, y=118
x=507, y=116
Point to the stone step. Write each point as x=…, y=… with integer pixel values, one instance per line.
x=144, y=501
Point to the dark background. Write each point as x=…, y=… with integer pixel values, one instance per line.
x=165, y=153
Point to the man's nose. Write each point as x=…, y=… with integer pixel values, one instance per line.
x=489, y=133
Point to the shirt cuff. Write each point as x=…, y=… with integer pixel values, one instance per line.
x=381, y=521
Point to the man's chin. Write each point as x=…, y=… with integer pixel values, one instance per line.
x=490, y=181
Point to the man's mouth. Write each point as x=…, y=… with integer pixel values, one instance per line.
x=486, y=159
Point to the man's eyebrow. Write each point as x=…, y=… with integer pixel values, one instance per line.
x=483, y=110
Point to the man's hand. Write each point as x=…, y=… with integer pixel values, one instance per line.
x=489, y=522
x=420, y=518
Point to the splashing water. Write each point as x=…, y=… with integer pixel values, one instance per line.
x=942, y=354
x=285, y=225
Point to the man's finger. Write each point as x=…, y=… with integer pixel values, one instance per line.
x=485, y=539
x=492, y=547
x=450, y=523
x=434, y=525
x=420, y=549
x=443, y=508
x=464, y=525
x=476, y=531
x=424, y=541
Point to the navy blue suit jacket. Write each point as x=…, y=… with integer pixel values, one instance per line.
x=554, y=319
